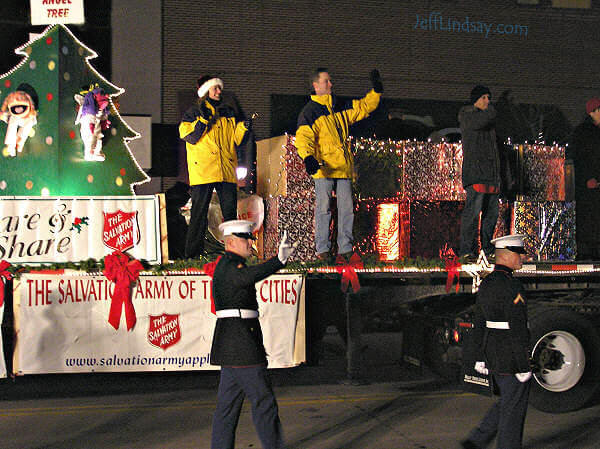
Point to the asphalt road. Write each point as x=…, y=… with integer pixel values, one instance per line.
x=383, y=415
x=401, y=407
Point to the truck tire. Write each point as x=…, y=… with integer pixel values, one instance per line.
x=566, y=352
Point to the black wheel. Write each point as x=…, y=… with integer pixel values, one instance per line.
x=566, y=355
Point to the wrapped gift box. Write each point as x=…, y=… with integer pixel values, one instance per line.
x=433, y=224
x=382, y=227
x=378, y=166
x=549, y=227
x=294, y=215
x=543, y=172
x=432, y=171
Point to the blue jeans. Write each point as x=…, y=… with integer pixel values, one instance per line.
x=345, y=209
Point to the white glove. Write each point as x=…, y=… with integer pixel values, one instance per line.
x=523, y=377
x=481, y=369
x=285, y=249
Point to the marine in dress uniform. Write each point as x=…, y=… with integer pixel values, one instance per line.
x=238, y=342
x=500, y=328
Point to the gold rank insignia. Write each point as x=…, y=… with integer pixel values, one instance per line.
x=519, y=298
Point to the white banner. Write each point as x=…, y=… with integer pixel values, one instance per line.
x=62, y=324
x=45, y=12
x=2, y=360
x=36, y=230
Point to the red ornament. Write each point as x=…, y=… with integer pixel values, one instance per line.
x=7, y=83
x=122, y=172
x=49, y=96
x=49, y=40
x=72, y=134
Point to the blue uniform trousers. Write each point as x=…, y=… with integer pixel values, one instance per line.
x=234, y=385
x=506, y=418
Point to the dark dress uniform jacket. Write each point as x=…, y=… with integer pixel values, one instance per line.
x=238, y=341
x=501, y=298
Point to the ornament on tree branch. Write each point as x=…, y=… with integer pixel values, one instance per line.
x=93, y=119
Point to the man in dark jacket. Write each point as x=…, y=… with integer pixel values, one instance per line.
x=500, y=329
x=238, y=342
x=584, y=153
x=480, y=173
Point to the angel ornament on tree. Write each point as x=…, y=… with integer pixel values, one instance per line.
x=93, y=119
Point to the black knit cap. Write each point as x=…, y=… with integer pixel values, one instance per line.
x=204, y=79
x=478, y=92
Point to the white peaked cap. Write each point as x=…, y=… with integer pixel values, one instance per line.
x=509, y=241
x=233, y=227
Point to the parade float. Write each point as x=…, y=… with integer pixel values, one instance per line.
x=89, y=287
x=85, y=260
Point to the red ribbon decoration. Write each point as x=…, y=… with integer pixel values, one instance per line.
x=5, y=275
x=119, y=269
x=209, y=269
x=452, y=266
x=348, y=272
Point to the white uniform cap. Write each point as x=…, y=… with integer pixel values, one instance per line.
x=239, y=228
x=513, y=242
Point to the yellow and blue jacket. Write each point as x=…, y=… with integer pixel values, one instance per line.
x=323, y=129
x=211, y=135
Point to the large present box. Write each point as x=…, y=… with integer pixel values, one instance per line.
x=395, y=228
x=289, y=197
x=294, y=215
x=382, y=227
x=542, y=172
x=435, y=224
x=549, y=227
x=378, y=165
x=280, y=171
x=433, y=171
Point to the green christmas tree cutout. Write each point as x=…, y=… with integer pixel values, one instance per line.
x=52, y=161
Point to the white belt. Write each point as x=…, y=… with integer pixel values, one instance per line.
x=237, y=313
x=497, y=325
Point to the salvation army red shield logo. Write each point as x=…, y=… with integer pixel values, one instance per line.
x=164, y=330
x=121, y=231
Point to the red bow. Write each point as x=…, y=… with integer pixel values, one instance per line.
x=209, y=269
x=348, y=273
x=452, y=266
x=123, y=272
x=5, y=275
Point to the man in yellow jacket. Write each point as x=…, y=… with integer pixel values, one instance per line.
x=322, y=142
x=211, y=132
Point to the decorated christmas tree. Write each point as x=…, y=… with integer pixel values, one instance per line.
x=61, y=134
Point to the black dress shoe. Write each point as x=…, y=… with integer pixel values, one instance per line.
x=468, y=444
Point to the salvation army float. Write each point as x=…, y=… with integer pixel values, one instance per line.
x=115, y=303
x=67, y=204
